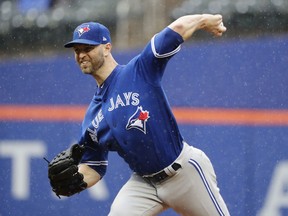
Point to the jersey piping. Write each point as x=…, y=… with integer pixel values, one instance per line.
x=165, y=55
x=95, y=163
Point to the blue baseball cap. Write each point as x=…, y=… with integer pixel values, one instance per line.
x=90, y=33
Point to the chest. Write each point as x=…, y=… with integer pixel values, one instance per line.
x=125, y=111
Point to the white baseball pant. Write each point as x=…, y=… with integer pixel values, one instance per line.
x=192, y=191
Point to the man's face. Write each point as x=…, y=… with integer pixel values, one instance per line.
x=89, y=58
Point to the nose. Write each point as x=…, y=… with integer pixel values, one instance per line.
x=81, y=54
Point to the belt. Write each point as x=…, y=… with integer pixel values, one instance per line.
x=162, y=175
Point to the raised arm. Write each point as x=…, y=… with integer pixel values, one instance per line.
x=187, y=25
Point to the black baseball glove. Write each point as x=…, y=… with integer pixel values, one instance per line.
x=63, y=172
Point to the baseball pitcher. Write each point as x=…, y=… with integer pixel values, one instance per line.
x=130, y=114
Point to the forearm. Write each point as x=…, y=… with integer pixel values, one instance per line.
x=187, y=25
x=91, y=177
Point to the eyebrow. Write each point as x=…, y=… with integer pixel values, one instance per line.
x=84, y=47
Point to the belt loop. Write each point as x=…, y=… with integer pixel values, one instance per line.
x=171, y=170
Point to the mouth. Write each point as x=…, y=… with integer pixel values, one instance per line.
x=85, y=66
x=83, y=63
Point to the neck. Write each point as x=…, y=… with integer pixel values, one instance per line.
x=101, y=75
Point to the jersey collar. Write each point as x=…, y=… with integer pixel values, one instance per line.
x=101, y=90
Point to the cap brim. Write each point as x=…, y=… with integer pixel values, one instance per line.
x=80, y=41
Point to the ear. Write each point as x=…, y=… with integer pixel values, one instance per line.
x=107, y=49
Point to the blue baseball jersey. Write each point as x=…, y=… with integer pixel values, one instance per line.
x=130, y=113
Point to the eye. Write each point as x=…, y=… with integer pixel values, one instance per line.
x=88, y=49
x=85, y=49
x=77, y=50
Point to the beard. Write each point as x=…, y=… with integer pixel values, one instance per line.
x=91, y=67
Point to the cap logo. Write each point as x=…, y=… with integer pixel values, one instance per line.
x=83, y=30
x=104, y=39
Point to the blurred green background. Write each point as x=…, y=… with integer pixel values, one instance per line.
x=29, y=27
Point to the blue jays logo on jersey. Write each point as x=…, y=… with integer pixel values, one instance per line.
x=138, y=120
x=83, y=30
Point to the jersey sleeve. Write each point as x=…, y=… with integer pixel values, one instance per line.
x=166, y=43
x=155, y=56
x=95, y=156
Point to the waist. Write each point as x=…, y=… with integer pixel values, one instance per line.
x=163, y=174
x=168, y=171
